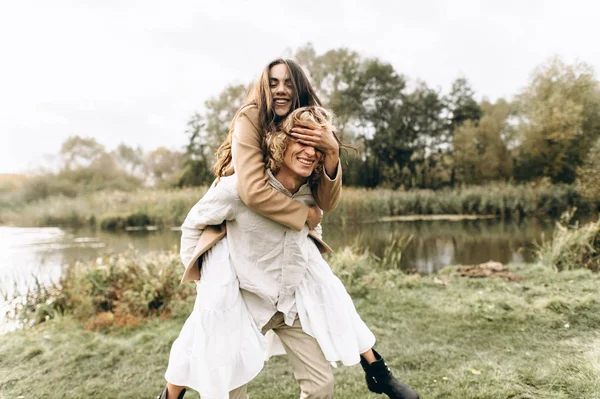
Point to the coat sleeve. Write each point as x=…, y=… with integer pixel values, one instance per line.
x=329, y=190
x=252, y=178
x=217, y=206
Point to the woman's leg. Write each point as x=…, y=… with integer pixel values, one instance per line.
x=380, y=379
x=239, y=393
x=369, y=356
x=173, y=391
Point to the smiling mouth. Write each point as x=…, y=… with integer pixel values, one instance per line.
x=281, y=101
x=305, y=161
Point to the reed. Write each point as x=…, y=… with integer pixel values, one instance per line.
x=499, y=199
x=572, y=246
x=161, y=207
x=167, y=208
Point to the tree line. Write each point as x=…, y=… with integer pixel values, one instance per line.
x=415, y=136
x=410, y=135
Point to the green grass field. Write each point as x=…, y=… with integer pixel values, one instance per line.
x=448, y=336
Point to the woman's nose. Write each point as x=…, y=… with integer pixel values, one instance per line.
x=280, y=88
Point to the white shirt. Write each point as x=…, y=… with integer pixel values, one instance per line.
x=270, y=259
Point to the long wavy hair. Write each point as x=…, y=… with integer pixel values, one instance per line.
x=260, y=96
x=277, y=142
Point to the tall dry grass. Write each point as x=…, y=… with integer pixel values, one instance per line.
x=160, y=207
x=572, y=246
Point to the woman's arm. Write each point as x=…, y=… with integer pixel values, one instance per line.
x=217, y=205
x=329, y=189
x=253, y=182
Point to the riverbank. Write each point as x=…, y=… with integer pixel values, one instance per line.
x=113, y=210
x=446, y=335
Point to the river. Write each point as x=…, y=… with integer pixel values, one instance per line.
x=41, y=252
x=30, y=254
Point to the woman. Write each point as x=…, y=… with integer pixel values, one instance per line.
x=281, y=88
x=284, y=286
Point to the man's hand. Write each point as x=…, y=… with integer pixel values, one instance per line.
x=314, y=217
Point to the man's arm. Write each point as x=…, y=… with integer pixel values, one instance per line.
x=217, y=205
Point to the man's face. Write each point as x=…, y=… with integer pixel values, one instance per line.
x=281, y=89
x=300, y=159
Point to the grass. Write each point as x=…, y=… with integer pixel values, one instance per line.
x=166, y=208
x=113, y=208
x=448, y=336
x=572, y=246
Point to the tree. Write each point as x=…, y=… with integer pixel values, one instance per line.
x=206, y=131
x=481, y=150
x=407, y=126
x=79, y=152
x=163, y=164
x=589, y=174
x=89, y=167
x=335, y=76
x=559, y=120
x=461, y=104
x=130, y=159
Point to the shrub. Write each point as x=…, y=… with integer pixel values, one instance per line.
x=114, y=291
x=572, y=246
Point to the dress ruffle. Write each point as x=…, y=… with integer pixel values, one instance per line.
x=220, y=347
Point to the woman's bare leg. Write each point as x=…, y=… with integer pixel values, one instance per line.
x=173, y=390
x=369, y=356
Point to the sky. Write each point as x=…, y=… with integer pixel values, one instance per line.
x=135, y=71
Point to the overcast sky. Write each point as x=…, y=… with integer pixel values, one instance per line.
x=135, y=71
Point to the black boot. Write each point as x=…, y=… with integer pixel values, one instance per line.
x=163, y=394
x=381, y=380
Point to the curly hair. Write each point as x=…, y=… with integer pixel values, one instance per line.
x=277, y=141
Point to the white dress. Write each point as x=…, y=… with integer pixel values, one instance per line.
x=220, y=347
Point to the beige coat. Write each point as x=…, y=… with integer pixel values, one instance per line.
x=254, y=189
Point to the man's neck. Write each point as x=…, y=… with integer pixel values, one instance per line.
x=291, y=181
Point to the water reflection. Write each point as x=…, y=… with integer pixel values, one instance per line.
x=437, y=244
x=41, y=252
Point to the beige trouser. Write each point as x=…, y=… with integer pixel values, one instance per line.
x=311, y=369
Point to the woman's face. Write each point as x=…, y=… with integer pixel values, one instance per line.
x=281, y=89
x=300, y=159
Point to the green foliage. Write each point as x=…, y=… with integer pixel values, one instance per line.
x=121, y=222
x=206, y=132
x=499, y=199
x=113, y=291
x=360, y=270
x=375, y=108
x=164, y=166
x=481, y=149
x=115, y=209
x=78, y=152
x=559, y=120
x=168, y=207
x=461, y=104
x=589, y=174
x=572, y=246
